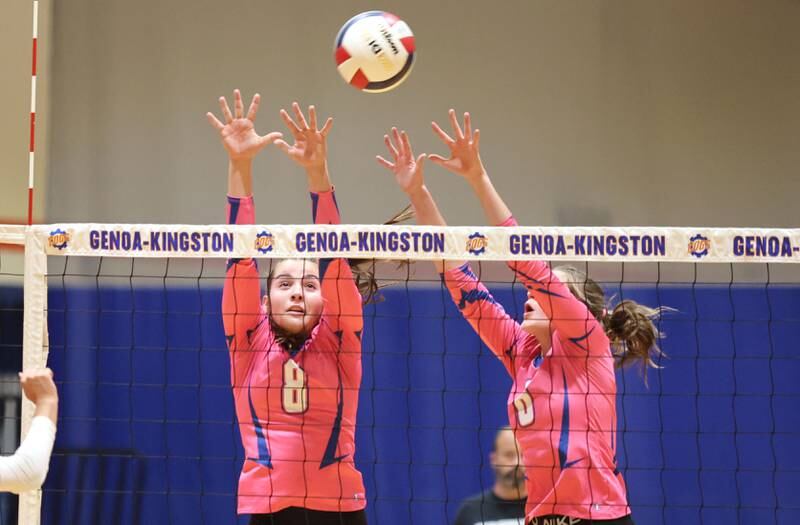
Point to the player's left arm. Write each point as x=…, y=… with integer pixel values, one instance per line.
x=343, y=308
x=310, y=151
x=569, y=316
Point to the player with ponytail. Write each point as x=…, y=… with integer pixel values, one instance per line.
x=561, y=356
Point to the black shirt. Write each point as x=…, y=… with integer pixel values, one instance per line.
x=488, y=509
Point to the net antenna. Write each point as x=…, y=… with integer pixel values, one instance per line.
x=32, y=145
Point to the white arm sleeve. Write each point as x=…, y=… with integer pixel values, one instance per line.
x=27, y=468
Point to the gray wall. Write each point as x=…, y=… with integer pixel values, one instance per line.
x=613, y=112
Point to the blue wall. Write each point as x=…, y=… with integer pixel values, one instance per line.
x=147, y=435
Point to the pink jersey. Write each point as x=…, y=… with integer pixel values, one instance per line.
x=562, y=401
x=296, y=410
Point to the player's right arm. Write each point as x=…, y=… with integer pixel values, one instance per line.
x=498, y=330
x=407, y=171
x=241, y=295
x=494, y=326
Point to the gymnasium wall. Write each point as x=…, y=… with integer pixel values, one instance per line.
x=624, y=112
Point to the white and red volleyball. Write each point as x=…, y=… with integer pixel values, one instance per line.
x=374, y=51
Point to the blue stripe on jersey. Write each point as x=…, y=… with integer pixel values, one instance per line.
x=473, y=296
x=330, y=457
x=264, y=457
x=526, y=276
x=537, y=281
x=548, y=292
x=465, y=269
x=323, y=263
x=323, y=268
x=231, y=262
x=578, y=340
x=234, y=213
x=314, y=205
x=563, y=441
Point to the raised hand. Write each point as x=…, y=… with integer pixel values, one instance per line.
x=310, y=148
x=238, y=133
x=38, y=385
x=465, y=159
x=406, y=168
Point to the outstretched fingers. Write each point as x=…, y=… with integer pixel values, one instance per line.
x=447, y=139
x=215, y=123
x=399, y=141
x=238, y=105
x=385, y=163
x=226, y=111
x=270, y=138
x=291, y=124
x=390, y=147
x=454, y=123
x=326, y=128
x=406, y=144
x=298, y=113
x=253, y=110
x=312, y=117
x=438, y=159
x=467, y=126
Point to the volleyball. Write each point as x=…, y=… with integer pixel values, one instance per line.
x=374, y=51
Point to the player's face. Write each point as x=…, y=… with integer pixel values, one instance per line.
x=536, y=322
x=507, y=460
x=295, y=296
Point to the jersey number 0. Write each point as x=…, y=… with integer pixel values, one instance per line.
x=523, y=405
x=295, y=388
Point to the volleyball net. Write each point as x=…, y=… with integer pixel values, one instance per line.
x=129, y=319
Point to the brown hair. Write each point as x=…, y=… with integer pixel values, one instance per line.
x=364, y=269
x=629, y=325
